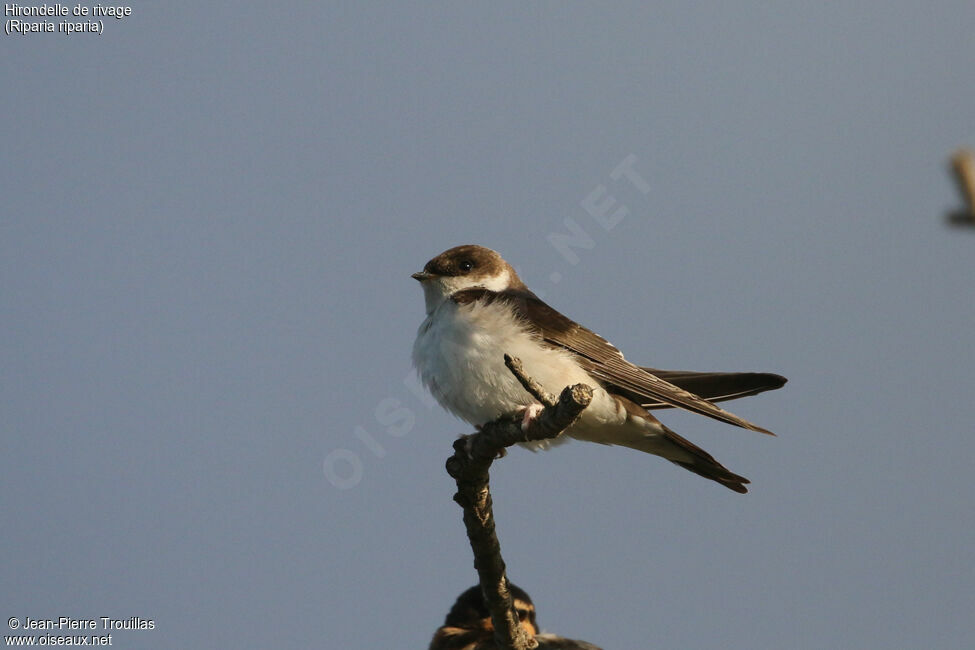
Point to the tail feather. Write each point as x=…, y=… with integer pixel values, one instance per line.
x=728, y=479
x=704, y=464
x=685, y=453
x=653, y=437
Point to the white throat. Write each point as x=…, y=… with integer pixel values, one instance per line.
x=435, y=291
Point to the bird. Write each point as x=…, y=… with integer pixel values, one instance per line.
x=468, y=625
x=478, y=310
x=962, y=168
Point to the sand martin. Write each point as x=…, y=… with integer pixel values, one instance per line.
x=478, y=309
x=468, y=625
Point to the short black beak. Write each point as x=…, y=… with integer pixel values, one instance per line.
x=421, y=275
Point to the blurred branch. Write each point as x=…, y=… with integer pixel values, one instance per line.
x=962, y=166
x=470, y=465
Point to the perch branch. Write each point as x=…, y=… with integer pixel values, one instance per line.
x=470, y=465
x=543, y=396
x=963, y=169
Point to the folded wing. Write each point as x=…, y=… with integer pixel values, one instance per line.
x=601, y=359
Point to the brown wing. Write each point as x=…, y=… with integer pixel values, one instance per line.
x=600, y=358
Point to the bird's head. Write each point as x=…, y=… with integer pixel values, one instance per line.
x=464, y=267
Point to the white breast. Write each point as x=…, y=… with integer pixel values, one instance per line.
x=459, y=355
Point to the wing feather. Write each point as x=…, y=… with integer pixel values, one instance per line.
x=717, y=386
x=599, y=357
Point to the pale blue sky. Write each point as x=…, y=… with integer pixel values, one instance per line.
x=210, y=214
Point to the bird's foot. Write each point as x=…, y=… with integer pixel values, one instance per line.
x=529, y=414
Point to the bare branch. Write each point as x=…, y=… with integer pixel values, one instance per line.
x=962, y=167
x=470, y=465
x=543, y=396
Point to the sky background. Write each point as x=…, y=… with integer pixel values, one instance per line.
x=210, y=214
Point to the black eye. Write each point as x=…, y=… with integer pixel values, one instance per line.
x=466, y=265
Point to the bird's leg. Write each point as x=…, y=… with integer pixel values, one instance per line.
x=529, y=414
